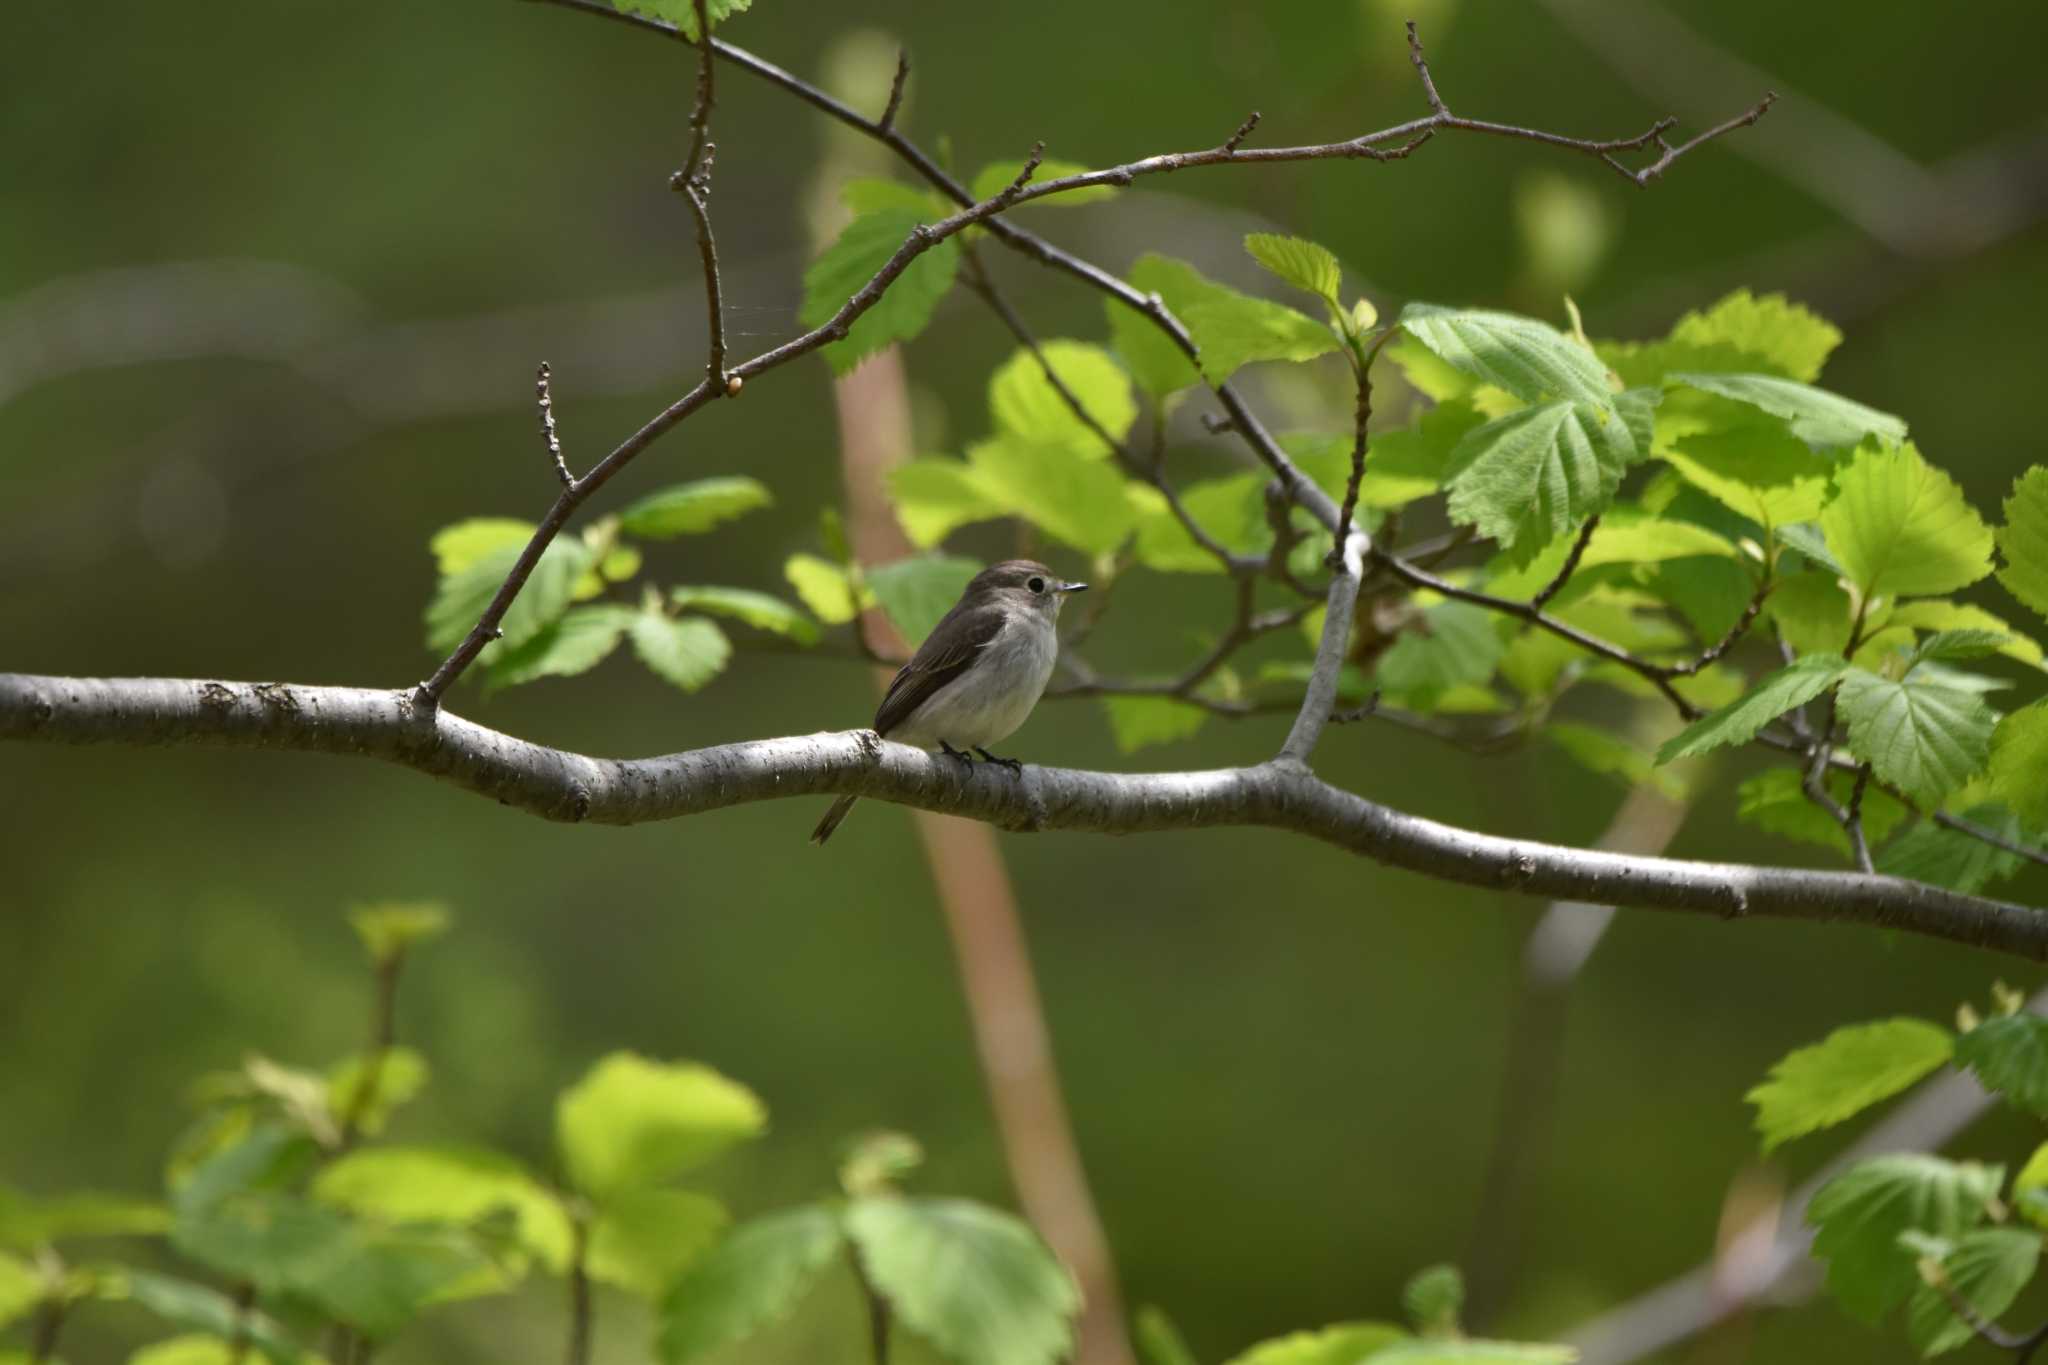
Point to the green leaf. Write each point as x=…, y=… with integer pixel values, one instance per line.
x=1900, y=527
x=1600, y=752
x=195, y=1348
x=1773, y=695
x=1937, y=615
x=22, y=1287
x=26, y=1224
x=1465, y=1352
x=2023, y=540
x=454, y=1185
x=917, y=592
x=749, y=1280
x=1529, y=359
x=1024, y=402
x=992, y=179
x=689, y=652
x=644, y=1240
x=1401, y=466
x=461, y=597
x=688, y=508
x=458, y=546
x=390, y=929
x=863, y=247
x=1532, y=475
x=1759, y=472
x=1454, y=643
x=1858, y=1216
x=975, y=1282
x=1955, y=646
x=1231, y=511
x=631, y=1121
x=936, y=496
x=1987, y=1269
x=1343, y=1343
x=1945, y=857
x=2030, y=1188
x=379, y=1280
x=1229, y=329
x=2010, y=1055
x=2018, y=769
x=1922, y=736
x=1072, y=497
x=1137, y=721
x=208, y=1310
x=1812, y=612
x=577, y=643
x=1821, y=419
x=1842, y=1075
x=1158, y=1342
x=1779, y=335
x=1434, y=1297
x=391, y=1079
x=1774, y=800
x=683, y=13
x=1305, y=265
x=825, y=589
x=1625, y=536
x=757, y=609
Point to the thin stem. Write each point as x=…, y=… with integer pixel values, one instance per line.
x=579, y=1288
x=1570, y=565
x=544, y=399
x=896, y=86
x=1852, y=823
x=877, y=1311
x=383, y=1036
x=49, y=1326
x=700, y=113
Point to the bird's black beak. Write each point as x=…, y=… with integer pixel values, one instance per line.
x=1073, y=587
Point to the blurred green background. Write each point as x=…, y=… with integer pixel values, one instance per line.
x=273, y=280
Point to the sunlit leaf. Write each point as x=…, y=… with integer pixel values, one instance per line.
x=644, y=1240
x=1529, y=359
x=1137, y=721
x=1900, y=527
x=749, y=1280
x=1987, y=1269
x=1303, y=264
x=825, y=589
x=632, y=1121
x=1773, y=695
x=1821, y=419
x=1343, y=1343
x=1859, y=1215
x=458, y=1185
x=1922, y=736
x=2010, y=1055
x=757, y=609
x=689, y=652
x=1845, y=1073
x=688, y=508
x=917, y=592
x=862, y=249
x=1024, y=402
x=2023, y=540
x=992, y=179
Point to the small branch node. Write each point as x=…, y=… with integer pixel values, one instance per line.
x=1436, y=101
x=546, y=402
x=895, y=105
x=1244, y=130
x=1023, y=178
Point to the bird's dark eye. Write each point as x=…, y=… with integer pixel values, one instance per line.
x=1036, y=585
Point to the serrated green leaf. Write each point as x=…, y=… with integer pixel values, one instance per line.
x=194, y=1348
x=1987, y=1269
x=863, y=247
x=1773, y=695
x=2010, y=1056
x=632, y=1121
x=1434, y=1297
x=757, y=609
x=1454, y=643
x=1946, y=646
x=456, y=1185
x=1937, y=615
x=683, y=13
x=2023, y=540
x=1628, y=537
x=26, y=1224
x=992, y=179
x=975, y=1282
x=918, y=591
x=1229, y=329
x=1811, y=611
x=686, y=509
x=747, y=1281
x=1137, y=721
x=1303, y=264
x=1922, y=736
x=2030, y=1188
x=825, y=589
x=1600, y=752
x=1775, y=801
x=2018, y=768
x=1231, y=511
x=1899, y=527
x=1401, y=465
x=936, y=496
x=1859, y=1215
x=458, y=546
x=1343, y=1343
x=185, y=1304
x=379, y=1280
x=577, y=643
x=1842, y=1075
x=1024, y=403
x=1945, y=857
x=1760, y=472
x=1531, y=476
x=1821, y=419
x=645, y=1240
x=1529, y=359
x=461, y=597
x=1782, y=336
x=1467, y=1352
x=689, y=652
x=1075, y=498
x=370, y=1088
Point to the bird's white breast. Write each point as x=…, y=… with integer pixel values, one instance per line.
x=988, y=702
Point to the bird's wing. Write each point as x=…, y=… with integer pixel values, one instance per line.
x=946, y=653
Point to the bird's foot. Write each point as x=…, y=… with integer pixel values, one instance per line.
x=950, y=752
x=1015, y=765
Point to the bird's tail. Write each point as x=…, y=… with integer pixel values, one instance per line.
x=832, y=819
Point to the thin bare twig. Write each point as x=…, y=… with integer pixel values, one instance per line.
x=545, y=399
x=1570, y=565
x=896, y=87
x=1735, y=632
x=1244, y=130
x=700, y=114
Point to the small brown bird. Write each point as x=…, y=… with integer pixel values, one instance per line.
x=976, y=677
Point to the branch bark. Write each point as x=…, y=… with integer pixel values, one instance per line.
x=1284, y=795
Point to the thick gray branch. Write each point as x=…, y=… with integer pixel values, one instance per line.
x=1279, y=795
